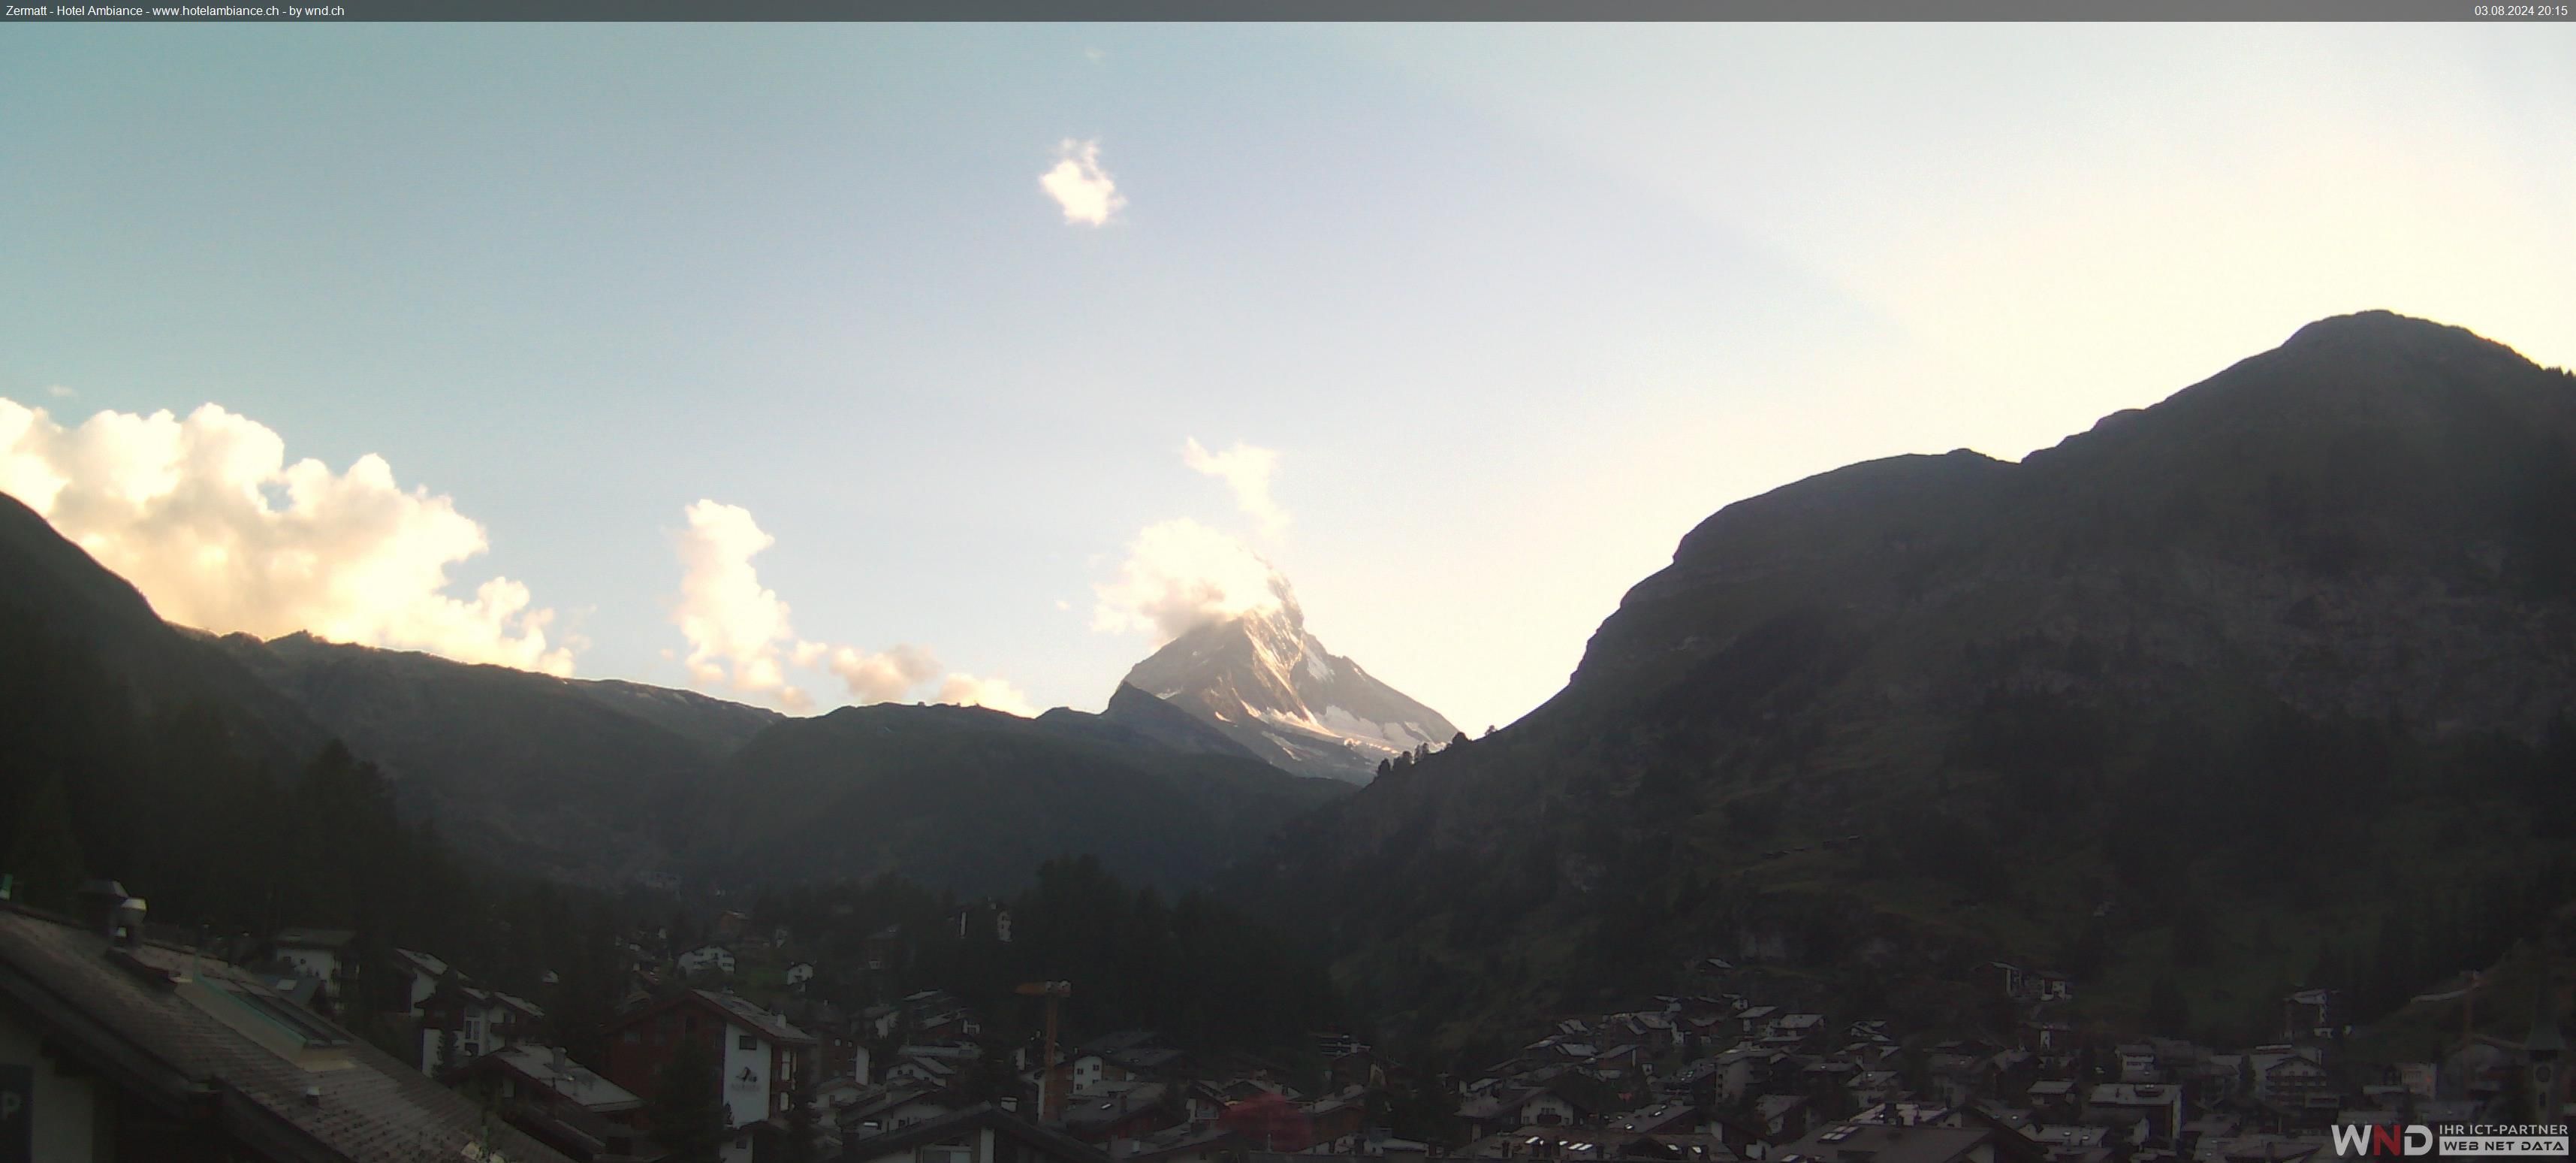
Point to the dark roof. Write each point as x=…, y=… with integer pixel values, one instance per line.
x=314, y=938
x=201, y=1040
x=726, y=1006
x=1120, y=1042
x=1048, y=1143
x=1890, y=1144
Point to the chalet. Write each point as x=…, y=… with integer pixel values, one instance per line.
x=459, y=1022
x=707, y=959
x=422, y=972
x=1793, y=1030
x=558, y=1102
x=2029, y=985
x=2053, y=1099
x=324, y=955
x=987, y=921
x=922, y=1070
x=2159, y=1107
x=892, y=1107
x=978, y=1134
x=127, y=1048
x=1784, y=1116
x=2308, y=1015
x=1337, y=1123
x=763, y=1059
x=1127, y=1113
x=2138, y=1063
x=2292, y=1081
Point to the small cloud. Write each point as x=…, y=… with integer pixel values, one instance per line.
x=1246, y=471
x=883, y=678
x=966, y=690
x=1062, y=604
x=1080, y=186
x=1181, y=575
x=1094, y=55
x=740, y=637
x=59, y=392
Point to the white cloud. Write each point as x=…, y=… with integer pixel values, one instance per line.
x=205, y=516
x=737, y=628
x=59, y=392
x=884, y=678
x=1080, y=186
x=740, y=635
x=966, y=690
x=1180, y=575
x=1246, y=471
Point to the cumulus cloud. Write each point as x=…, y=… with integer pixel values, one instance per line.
x=883, y=678
x=206, y=517
x=740, y=634
x=1080, y=186
x=737, y=629
x=1180, y=575
x=966, y=690
x=1246, y=472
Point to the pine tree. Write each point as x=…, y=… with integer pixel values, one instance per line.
x=687, y=1110
x=798, y=1146
x=2167, y=1011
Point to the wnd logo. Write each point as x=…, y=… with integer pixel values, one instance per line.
x=2351, y=1140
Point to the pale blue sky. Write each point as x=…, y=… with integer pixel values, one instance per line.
x=1515, y=306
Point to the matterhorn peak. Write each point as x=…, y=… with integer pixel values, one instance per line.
x=1264, y=681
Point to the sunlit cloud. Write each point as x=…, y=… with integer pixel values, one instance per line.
x=59, y=392
x=886, y=677
x=741, y=638
x=1078, y=184
x=967, y=690
x=1246, y=472
x=1180, y=575
x=205, y=516
x=737, y=629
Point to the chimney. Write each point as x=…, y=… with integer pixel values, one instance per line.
x=129, y=922
x=97, y=901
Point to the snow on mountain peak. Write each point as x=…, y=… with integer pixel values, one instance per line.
x=1263, y=680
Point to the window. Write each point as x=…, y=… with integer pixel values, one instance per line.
x=747, y=1042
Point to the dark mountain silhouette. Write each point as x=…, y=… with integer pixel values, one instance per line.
x=975, y=800
x=596, y=782
x=567, y=777
x=2266, y=683
x=55, y=591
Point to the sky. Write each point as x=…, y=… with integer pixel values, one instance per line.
x=845, y=363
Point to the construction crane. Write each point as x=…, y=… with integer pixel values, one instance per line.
x=1050, y=1095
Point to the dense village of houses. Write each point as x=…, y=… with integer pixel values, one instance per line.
x=1713, y=1077
x=1707, y=1078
